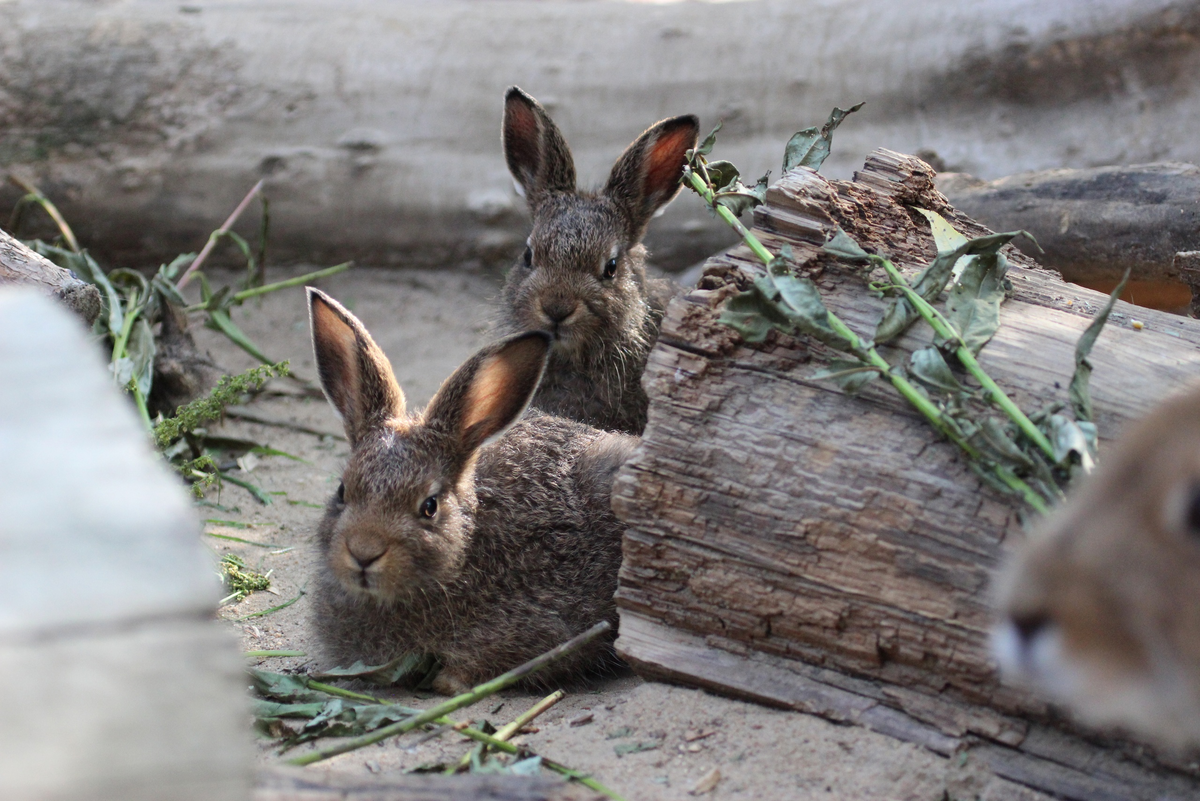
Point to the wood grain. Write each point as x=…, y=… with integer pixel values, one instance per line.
x=773, y=520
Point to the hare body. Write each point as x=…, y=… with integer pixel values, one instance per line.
x=453, y=534
x=583, y=277
x=1101, y=607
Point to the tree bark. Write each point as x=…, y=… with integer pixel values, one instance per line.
x=1095, y=224
x=20, y=265
x=799, y=547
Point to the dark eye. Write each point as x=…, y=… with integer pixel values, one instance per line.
x=429, y=507
x=1193, y=513
x=341, y=493
x=528, y=256
x=610, y=267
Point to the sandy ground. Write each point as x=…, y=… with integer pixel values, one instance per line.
x=428, y=322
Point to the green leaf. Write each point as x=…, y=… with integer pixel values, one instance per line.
x=393, y=672
x=741, y=198
x=219, y=320
x=707, y=145
x=945, y=236
x=928, y=365
x=810, y=147
x=753, y=313
x=843, y=246
x=722, y=174
x=973, y=307
x=141, y=350
x=281, y=687
x=849, y=375
x=1078, y=392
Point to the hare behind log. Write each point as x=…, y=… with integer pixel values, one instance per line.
x=1101, y=607
x=465, y=531
x=583, y=275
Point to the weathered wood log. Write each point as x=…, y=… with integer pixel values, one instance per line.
x=1095, y=224
x=796, y=546
x=20, y=265
x=299, y=785
x=119, y=684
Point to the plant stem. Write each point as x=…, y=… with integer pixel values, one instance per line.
x=459, y=701
x=728, y=216
x=506, y=733
x=942, y=327
x=245, y=294
x=272, y=610
x=216, y=235
x=37, y=197
x=570, y=773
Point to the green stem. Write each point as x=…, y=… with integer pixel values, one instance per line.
x=457, y=702
x=140, y=401
x=507, y=732
x=245, y=294
x=728, y=216
x=570, y=773
x=943, y=329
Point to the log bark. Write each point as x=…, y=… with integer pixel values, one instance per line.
x=298, y=785
x=827, y=553
x=1094, y=224
x=20, y=265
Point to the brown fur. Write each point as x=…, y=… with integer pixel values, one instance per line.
x=1115, y=573
x=603, y=326
x=523, y=551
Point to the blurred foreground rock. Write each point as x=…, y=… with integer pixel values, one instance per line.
x=118, y=682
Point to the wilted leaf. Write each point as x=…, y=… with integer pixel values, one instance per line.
x=526, y=767
x=810, y=147
x=928, y=365
x=141, y=350
x=850, y=376
x=282, y=687
x=1069, y=438
x=843, y=246
x=753, y=313
x=973, y=307
x=739, y=198
x=945, y=236
x=707, y=145
x=994, y=439
x=722, y=174
x=1078, y=392
x=219, y=320
x=392, y=673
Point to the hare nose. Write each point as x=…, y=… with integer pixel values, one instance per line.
x=558, y=309
x=365, y=556
x=1028, y=626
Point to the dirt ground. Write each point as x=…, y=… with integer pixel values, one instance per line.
x=428, y=322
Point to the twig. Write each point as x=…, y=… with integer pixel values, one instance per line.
x=507, y=732
x=242, y=413
x=272, y=610
x=459, y=701
x=217, y=234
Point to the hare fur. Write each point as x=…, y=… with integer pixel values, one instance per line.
x=583, y=275
x=465, y=531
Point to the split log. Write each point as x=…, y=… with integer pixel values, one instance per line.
x=1095, y=224
x=20, y=265
x=298, y=785
x=802, y=548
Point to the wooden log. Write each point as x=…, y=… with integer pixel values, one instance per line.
x=827, y=553
x=20, y=265
x=1094, y=224
x=299, y=785
x=119, y=684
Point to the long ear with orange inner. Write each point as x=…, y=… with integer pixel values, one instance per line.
x=488, y=393
x=536, y=152
x=355, y=374
x=648, y=174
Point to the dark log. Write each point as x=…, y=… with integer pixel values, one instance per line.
x=20, y=265
x=299, y=785
x=1095, y=224
x=799, y=547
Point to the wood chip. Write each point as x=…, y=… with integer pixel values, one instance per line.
x=707, y=783
x=582, y=719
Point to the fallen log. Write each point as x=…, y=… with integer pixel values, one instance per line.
x=805, y=549
x=1095, y=224
x=20, y=265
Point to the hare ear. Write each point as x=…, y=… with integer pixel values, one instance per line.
x=488, y=393
x=355, y=374
x=537, y=154
x=648, y=174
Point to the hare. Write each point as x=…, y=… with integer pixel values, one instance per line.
x=1101, y=607
x=464, y=531
x=583, y=275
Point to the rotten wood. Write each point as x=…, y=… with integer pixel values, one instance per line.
x=1094, y=224
x=280, y=784
x=20, y=265
x=796, y=546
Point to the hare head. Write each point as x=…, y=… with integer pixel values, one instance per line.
x=403, y=515
x=582, y=276
x=1101, y=607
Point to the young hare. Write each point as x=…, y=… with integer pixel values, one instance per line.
x=1101, y=607
x=583, y=275
x=464, y=531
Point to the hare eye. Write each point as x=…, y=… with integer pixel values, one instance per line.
x=1193, y=512
x=429, y=507
x=610, y=268
x=528, y=256
x=341, y=493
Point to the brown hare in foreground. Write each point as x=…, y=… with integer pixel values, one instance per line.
x=1101, y=607
x=465, y=531
x=583, y=275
